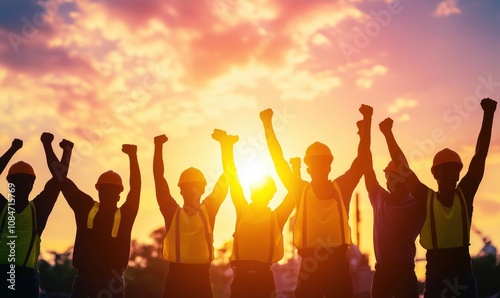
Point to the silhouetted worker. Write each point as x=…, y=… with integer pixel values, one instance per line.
x=22, y=221
x=188, y=244
x=446, y=230
x=397, y=220
x=251, y=259
x=321, y=231
x=102, y=242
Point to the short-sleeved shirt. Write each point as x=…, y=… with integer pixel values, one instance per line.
x=396, y=225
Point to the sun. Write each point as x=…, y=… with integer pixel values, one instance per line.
x=252, y=172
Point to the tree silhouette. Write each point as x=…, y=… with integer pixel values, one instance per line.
x=56, y=274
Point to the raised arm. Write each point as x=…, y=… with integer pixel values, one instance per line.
x=476, y=167
x=286, y=207
x=76, y=198
x=227, y=148
x=6, y=157
x=358, y=165
x=45, y=201
x=163, y=195
x=58, y=169
x=286, y=175
x=370, y=177
x=411, y=180
x=133, y=197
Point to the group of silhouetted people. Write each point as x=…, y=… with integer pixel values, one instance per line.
x=321, y=232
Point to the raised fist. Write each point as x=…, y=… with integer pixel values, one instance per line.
x=359, y=124
x=159, y=140
x=266, y=115
x=47, y=137
x=295, y=161
x=66, y=144
x=219, y=134
x=366, y=110
x=488, y=105
x=386, y=125
x=129, y=149
x=17, y=144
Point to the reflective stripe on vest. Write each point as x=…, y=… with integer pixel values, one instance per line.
x=250, y=243
x=445, y=227
x=25, y=234
x=321, y=223
x=189, y=239
x=116, y=219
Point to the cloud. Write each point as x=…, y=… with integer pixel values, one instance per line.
x=447, y=8
x=366, y=75
x=401, y=103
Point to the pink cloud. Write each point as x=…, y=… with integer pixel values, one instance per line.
x=213, y=45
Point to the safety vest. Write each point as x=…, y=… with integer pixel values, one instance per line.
x=257, y=236
x=189, y=239
x=445, y=227
x=321, y=223
x=116, y=221
x=19, y=242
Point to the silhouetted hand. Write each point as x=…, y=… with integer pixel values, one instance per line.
x=159, y=140
x=65, y=144
x=17, y=144
x=359, y=124
x=366, y=110
x=129, y=149
x=223, y=137
x=488, y=105
x=266, y=115
x=295, y=161
x=386, y=125
x=47, y=138
x=219, y=134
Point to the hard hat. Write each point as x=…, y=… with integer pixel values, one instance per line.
x=444, y=156
x=317, y=149
x=192, y=175
x=391, y=167
x=109, y=177
x=21, y=167
x=265, y=183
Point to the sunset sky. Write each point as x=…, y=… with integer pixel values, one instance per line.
x=104, y=73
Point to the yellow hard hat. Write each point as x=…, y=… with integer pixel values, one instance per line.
x=318, y=149
x=191, y=175
x=21, y=167
x=109, y=177
x=444, y=156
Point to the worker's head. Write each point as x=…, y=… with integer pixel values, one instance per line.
x=262, y=190
x=395, y=183
x=109, y=185
x=446, y=167
x=318, y=159
x=22, y=177
x=192, y=184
